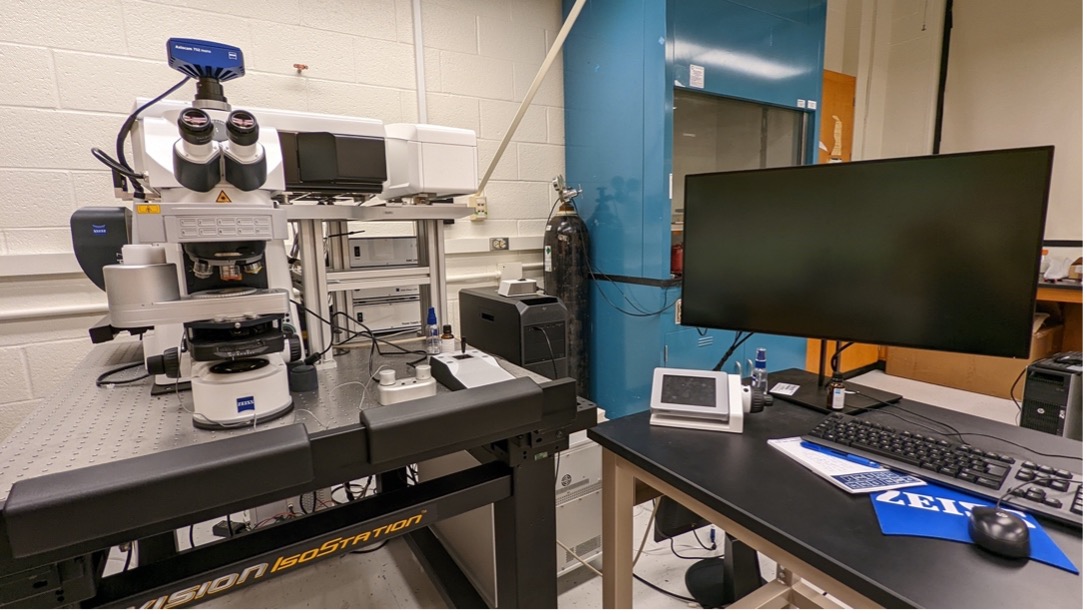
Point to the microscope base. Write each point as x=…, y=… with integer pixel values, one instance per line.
x=236, y=400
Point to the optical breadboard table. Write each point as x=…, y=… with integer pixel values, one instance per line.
x=81, y=427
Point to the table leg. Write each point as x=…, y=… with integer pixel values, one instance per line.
x=618, y=532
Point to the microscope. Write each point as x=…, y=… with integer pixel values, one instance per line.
x=204, y=277
x=198, y=266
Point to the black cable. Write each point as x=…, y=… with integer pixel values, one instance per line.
x=345, y=234
x=704, y=546
x=102, y=381
x=960, y=434
x=114, y=165
x=895, y=405
x=366, y=332
x=346, y=491
x=664, y=592
x=302, y=505
x=374, y=337
x=1011, y=395
x=374, y=549
x=192, y=544
x=836, y=357
x=128, y=557
x=229, y=526
x=672, y=545
x=737, y=341
x=641, y=313
x=554, y=365
x=126, y=127
x=552, y=211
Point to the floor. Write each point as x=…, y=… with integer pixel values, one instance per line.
x=391, y=577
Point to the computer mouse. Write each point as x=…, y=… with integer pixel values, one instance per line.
x=1000, y=532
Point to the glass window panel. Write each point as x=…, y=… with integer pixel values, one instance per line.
x=711, y=133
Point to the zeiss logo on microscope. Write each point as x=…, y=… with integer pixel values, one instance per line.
x=246, y=404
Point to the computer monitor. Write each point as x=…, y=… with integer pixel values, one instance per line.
x=937, y=252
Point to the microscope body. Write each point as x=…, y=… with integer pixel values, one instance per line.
x=203, y=274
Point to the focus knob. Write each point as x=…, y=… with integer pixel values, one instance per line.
x=168, y=364
x=295, y=345
x=758, y=401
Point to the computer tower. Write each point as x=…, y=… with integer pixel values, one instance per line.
x=1053, y=396
x=529, y=331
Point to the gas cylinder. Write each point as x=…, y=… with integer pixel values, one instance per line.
x=566, y=276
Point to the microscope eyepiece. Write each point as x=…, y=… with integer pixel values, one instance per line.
x=195, y=126
x=242, y=128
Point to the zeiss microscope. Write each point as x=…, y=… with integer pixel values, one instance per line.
x=200, y=271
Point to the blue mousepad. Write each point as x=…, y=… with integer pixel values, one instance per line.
x=935, y=511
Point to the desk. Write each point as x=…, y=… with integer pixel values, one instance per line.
x=1069, y=302
x=128, y=446
x=814, y=530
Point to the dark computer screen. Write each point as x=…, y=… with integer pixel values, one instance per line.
x=935, y=252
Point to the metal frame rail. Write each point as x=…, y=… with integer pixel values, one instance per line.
x=338, y=277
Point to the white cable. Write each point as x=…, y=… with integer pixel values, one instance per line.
x=645, y=535
x=579, y=559
x=548, y=60
x=323, y=425
x=420, y=63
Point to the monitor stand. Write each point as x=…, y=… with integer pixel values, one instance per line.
x=809, y=393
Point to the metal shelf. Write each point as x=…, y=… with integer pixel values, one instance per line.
x=326, y=263
x=376, y=213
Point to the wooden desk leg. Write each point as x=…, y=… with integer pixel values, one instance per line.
x=618, y=533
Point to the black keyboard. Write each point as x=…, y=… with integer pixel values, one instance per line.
x=1054, y=492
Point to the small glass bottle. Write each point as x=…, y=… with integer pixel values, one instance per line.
x=449, y=343
x=758, y=373
x=433, y=342
x=836, y=393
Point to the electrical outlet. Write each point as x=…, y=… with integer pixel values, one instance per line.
x=479, y=205
x=499, y=243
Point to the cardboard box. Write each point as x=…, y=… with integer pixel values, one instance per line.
x=981, y=374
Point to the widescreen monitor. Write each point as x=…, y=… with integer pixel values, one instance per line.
x=936, y=252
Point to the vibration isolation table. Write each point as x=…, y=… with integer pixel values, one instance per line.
x=91, y=468
x=813, y=530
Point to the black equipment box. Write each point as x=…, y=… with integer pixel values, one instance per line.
x=529, y=331
x=1053, y=396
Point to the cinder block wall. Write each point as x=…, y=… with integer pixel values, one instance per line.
x=70, y=70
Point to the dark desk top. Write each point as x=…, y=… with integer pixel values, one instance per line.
x=770, y=494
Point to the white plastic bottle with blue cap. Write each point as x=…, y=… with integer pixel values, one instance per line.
x=758, y=374
x=433, y=337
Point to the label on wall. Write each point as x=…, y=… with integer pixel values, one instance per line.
x=698, y=76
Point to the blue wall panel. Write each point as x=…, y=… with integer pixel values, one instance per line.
x=625, y=348
x=621, y=62
x=605, y=81
x=752, y=54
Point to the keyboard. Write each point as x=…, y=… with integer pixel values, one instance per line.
x=1054, y=494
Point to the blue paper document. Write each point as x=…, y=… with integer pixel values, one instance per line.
x=942, y=513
